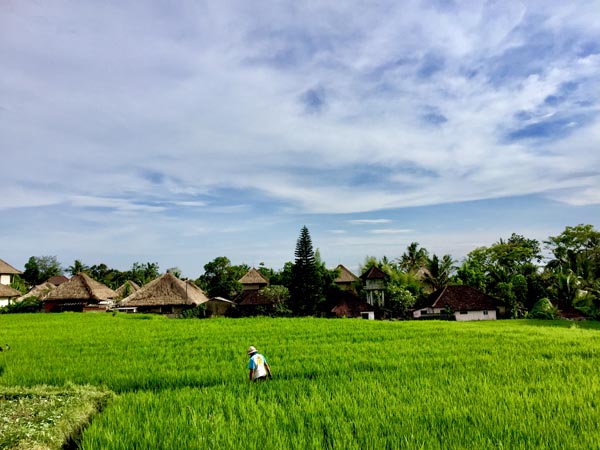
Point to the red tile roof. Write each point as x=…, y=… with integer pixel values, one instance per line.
x=374, y=273
x=461, y=298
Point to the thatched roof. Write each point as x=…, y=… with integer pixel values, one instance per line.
x=81, y=287
x=6, y=268
x=461, y=298
x=345, y=275
x=167, y=290
x=133, y=287
x=38, y=291
x=8, y=292
x=253, y=276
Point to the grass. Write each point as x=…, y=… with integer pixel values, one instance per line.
x=345, y=384
x=45, y=417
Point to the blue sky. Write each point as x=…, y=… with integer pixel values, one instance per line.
x=179, y=131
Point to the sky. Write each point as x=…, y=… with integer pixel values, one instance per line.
x=179, y=131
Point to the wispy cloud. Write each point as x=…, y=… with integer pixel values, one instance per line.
x=368, y=221
x=391, y=231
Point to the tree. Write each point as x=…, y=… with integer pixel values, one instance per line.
x=220, y=278
x=439, y=271
x=574, y=270
x=175, y=271
x=143, y=273
x=306, y=289
x=39, y=268
x=279, y=297
x=413, y=258
x=77, y=267
x=508, y=270
x=399, y=299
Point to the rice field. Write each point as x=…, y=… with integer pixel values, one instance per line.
x=344, y=384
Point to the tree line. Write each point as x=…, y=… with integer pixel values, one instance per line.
x=514, y=270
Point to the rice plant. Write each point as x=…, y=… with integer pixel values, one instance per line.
x=338, y=383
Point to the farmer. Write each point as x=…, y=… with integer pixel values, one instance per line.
x=259, y=369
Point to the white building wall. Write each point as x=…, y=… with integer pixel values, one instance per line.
x=4, y=302
x=470, y=315
x=5, y=279
x=475, y=315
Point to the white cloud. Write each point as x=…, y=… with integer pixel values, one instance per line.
x=391, y=231
x=143, y=109
x=368, y=221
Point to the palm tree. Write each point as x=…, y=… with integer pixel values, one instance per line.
x=77, y=267
x=413, y=258
x=439, y=271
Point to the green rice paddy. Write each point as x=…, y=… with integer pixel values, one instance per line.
x=344, y=384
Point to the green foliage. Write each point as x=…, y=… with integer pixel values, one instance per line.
x=414, y=258
x=28, y=305
x=142, y=274
x=19, y=284
x=306, y=285
x=507, y=270
x=39, y=268
x=438, y=272
x=175, y=271
x=544, y=309
x=78, y=267
x=399, y=300
x=574, y=271
x=197, y=312
x=220, y=278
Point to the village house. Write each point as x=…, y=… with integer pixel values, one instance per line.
x=8, y=295
x=347, y=302
x=38, y=291
x=249, y=300
x=7, y=272
x=78, y=294
x=218, y=307
x=166, y=295
x=459, y=302
x=126, y=289
x=375, y=283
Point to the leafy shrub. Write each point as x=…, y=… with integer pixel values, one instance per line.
x=544, y=309
x=29, y=305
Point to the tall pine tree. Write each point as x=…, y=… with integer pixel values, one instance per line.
x=306, y=285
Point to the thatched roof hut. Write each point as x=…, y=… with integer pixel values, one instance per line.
x=345, y=279
x=7, y=295
x=6, y=272
x=165, y=295
x=38, y=291
x=127, y=288
x=253, y=280
x=6, y=268
x=78, y=292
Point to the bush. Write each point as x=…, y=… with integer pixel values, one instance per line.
x=544, y=309
x=29, y=305
x=198, y=312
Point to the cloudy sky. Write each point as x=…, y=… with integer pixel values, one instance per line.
x=179, y=131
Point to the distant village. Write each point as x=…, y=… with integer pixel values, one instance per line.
x=168, y=295
x=508, y=279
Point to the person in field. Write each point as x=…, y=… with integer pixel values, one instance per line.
x=258, y=366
